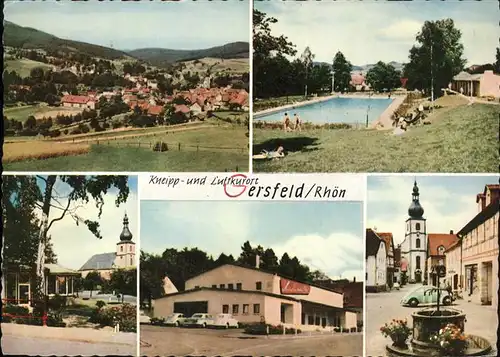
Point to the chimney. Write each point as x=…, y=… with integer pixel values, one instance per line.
x=451, y=231
x=257, y=261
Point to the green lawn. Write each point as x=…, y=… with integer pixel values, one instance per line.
x=461, y=139
x=127, y=155
x=21, y=113
x=24, y=66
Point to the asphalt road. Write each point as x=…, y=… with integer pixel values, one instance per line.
x=383, y=307
x=157, y=340
x=32, y=346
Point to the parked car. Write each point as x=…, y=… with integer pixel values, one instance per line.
x=175, y=319
x=198, y=320
x=143, y=318
x=224, y=320
x=426, y=295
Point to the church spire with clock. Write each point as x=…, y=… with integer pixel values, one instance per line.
x=125, y=248
x=414, y=246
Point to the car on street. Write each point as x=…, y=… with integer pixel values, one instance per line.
x=426, y=295
x=198, y=320
x=175, y=319
x=224, y=320
x=143, y=318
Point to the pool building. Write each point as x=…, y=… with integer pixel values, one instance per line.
x=253, y=295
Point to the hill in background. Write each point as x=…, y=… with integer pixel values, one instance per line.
x=161, y=56
x=29, y=38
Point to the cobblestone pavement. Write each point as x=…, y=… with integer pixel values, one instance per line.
x=383, y=307
x=157, y=340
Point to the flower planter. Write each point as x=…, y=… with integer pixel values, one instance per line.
x=399, y=340
x=427, y=323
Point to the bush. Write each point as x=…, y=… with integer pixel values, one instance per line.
x=100, y=304
x=261, y=329
x=125, y=315
x=160, y=146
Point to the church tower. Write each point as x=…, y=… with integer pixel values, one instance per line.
x=414, y=246
x=125, y=248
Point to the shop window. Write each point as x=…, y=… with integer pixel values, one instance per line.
x=317, y=321
x=230, y=286
x=214, y=286
x=222, y=286
x=225, y=309
x=245, y=309
x=238, y=286
x=236, y=309
x=310, y=320
x=417, y=243
x=256, y=308
x=258, y=285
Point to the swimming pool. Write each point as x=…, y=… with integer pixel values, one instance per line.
x=335, y=110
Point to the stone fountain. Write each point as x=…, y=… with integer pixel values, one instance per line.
x=427, y=322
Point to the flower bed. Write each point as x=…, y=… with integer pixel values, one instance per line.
x=261, y=329
x=451, y=340
x=125, y=315
x=21, y=315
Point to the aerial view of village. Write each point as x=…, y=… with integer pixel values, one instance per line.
x=432, y=266
x=150, y=94
x=212, y=282
x=69, y=278
x=373, y=86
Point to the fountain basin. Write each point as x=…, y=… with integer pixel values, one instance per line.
x=428, y=322
x=477, y=346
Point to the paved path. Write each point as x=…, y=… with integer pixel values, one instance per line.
x=38, y=340
x=383, y=307
x=179, y=341
x=30, y=346
x=384, y=121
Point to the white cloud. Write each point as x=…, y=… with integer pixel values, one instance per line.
x=405, y=30
x=390, y=207
x=74, y=245
x=339, y=254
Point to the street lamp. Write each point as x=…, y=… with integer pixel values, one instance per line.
x=440, y=271
x=333, y=82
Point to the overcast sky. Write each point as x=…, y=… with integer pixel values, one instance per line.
x=369, y=31
x=449, y=202
x=324, y=235
x=131, y=25
x=73, y=244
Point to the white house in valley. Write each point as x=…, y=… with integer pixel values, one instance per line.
x=376, y=262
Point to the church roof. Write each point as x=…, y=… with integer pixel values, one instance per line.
x=100, y=262
x=435, y=240
x=126, y=235
x=415, y=210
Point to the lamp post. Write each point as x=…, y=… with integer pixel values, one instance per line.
x=440, y=271
x=333, y=82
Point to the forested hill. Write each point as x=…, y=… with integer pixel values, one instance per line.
x=29, y=38
x=163, y=56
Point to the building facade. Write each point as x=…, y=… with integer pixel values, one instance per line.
x=486, y=84
x=252, y=295
x=376, y=262
x=389, y=246
x=414, y=245
x=453, y=261
x=122, y=258
x=437, y=244
x=479, y=239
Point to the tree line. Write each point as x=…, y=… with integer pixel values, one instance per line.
x=181, y=265
x=434, y=60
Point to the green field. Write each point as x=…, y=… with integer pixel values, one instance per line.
x=22, y=113
x=207, y=149
x=460, y=139
x=24, y=66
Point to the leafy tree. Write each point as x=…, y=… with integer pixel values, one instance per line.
x=30, y=123
x=224, y=259
x=36, y=74
x=92, y=281
x=318, y=275
x=497, y=63
x=40, y=193
x=437, y=57
x=152, y=273
x=341, y=72
x=124, y=282
x=382, y=77
x=307, y=59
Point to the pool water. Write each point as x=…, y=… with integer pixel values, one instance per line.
x=335, y=110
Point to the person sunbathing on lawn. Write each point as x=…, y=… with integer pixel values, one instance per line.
x=264, y=154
